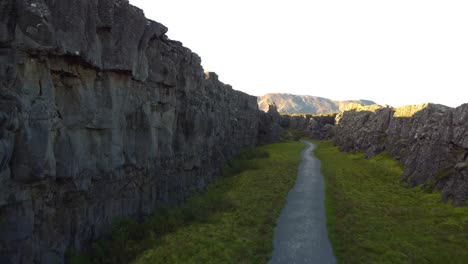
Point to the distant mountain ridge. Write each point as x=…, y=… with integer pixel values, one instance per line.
x=292, y=104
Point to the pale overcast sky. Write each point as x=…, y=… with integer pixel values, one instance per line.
x=394, y=52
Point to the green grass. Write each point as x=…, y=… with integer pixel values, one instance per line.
x=231, y=222
x=291, y=135
x=373, y=218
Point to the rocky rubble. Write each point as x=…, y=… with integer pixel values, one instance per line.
x=102, y=116
x=430, y=140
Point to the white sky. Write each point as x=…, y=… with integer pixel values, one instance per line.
x=394, y=52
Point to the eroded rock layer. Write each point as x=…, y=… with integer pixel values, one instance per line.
x=430, y=140
x=102, y=116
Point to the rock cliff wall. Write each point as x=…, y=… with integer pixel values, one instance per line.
x=430, y=140
x=102, y=116
x=313, y=126
x=269, y=126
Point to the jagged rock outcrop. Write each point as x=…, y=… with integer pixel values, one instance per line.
x=430, y=140
x=102, y=116
x=298, y=122
x=322, y=126
x=358, y=107
x=313, y=126
x=269, y=126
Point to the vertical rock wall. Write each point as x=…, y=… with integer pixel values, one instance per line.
x=430, y=140
x=102, y=116
x=314, y=126
x=269, y=127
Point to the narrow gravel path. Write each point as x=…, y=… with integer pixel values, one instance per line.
x=301, y=233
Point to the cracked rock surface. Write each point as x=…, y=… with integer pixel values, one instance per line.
x=430, y=140
x=102, y=116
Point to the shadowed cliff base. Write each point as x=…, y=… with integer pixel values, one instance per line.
x=231, y=222
x=430, y=140
x=103, y=116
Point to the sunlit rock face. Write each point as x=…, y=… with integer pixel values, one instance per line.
x=430, y=140
x=102, y=116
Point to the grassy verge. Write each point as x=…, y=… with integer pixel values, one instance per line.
x=291, y=135
x=373, y=218
x=231, y=222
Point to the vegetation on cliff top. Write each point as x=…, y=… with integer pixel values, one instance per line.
x=373, y=218
x=231, y=222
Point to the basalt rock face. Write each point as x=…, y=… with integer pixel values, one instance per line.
x=102, y=116
x=322, y=126
x=298, y=122
x=313, y=126
x=269, y=126
x=430, y=140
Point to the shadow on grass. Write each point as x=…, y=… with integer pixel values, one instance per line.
x=129, y=237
